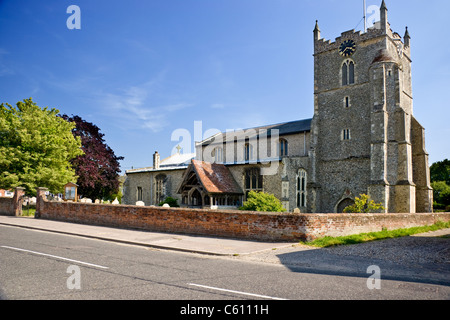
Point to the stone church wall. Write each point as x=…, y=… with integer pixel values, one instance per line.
x=146, y=181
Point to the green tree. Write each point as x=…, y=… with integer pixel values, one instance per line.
x=264, y=202
x=441, y=195
x=440, y=171
x=364, y=204
x=36, y=147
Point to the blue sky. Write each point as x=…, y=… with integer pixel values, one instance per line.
x=141, y=69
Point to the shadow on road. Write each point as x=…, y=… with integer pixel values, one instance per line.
x=413, y=259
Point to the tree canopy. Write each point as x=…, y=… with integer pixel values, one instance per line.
x=440, y=171
x=36, y=147
x=440, y=182
x=98, y=168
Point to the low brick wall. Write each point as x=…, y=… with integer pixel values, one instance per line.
x=12, y=206
x=334, y=225
x=6, y=206
x=234, y=224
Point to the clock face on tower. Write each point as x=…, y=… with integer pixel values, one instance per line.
x=347, y=48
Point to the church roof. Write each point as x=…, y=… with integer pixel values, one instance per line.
x=284, y=128
x=215, y=178
x=174, y=162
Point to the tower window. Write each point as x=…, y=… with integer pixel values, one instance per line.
x=344, y=74
x=347, y=102
x=345, y=134
x=348, y=73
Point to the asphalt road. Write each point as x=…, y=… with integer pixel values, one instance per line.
x=38, y=265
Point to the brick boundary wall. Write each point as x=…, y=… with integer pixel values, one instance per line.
x=12, y=206
x=235, y=224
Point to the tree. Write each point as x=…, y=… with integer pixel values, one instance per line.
x=36, y=147
x=260, y=201
x=364, y=204
x=98, y=168
x=440, y=171
x=441, y=195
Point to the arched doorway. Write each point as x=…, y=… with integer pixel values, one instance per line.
x=196, y=198
x=344, y=204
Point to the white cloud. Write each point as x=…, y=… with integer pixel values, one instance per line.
x=133, y=108
x=218, y=106
x=4, y=68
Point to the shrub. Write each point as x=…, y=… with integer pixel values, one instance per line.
x=260, y=201
x=172, y=202
x=364, y=205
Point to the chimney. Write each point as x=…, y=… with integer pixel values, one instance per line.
x=156, y=160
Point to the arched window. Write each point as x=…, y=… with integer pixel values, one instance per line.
x=351, y=73
x=218, y=155
x=283, y=148
x=160, y=188
x=248, y=152
x=253, y=180
x=139, y=194
x=344, y=74
x=348, y=73
x=301, y=188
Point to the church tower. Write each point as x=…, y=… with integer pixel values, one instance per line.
x=364, y=137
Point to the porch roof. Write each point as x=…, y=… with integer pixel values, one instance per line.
x=215, y=178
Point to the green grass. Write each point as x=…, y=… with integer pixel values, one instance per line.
x=28, y=212
x=372, y=236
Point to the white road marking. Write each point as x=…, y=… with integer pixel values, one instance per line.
x=238, y=292
x=56, y=257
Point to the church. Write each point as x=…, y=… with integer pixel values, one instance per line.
x=362, y=139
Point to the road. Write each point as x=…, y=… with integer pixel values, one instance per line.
x=37, y=265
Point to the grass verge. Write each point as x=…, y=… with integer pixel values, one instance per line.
x=372, y=236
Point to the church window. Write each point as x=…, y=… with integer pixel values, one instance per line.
x=301, y=188
x=283, y=148
x=347, y=102
x=346, y=134
x=248, y=152
x=348, y=73
x=160, y=188
x=139, y=193
x=344, y=74
x=218, y=155
x=253, y=180
x=351, y=73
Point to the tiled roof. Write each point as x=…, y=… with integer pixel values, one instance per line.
x=216, y=178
